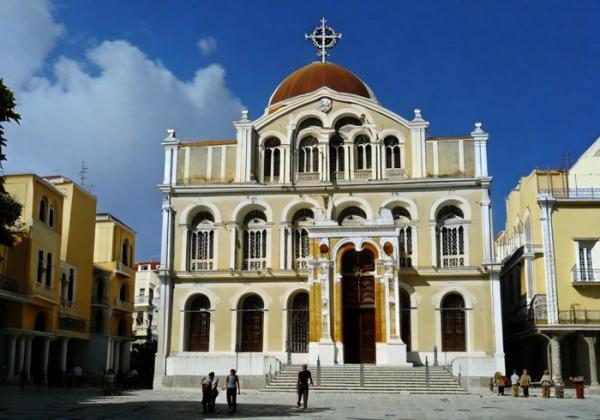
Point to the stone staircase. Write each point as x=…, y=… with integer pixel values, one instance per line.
x=377, y=379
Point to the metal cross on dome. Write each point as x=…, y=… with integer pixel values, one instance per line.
x=323, y=37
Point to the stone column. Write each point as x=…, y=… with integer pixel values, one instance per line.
x=185, y=251
x=117, y=355
x=45, y=358
x=591, y=342
x=109, y=350
x=125, y=355
x=546, y=203
x=28, y=344
x=555, y=354
x=63, y=354
x=12, y=349
x=21, y=360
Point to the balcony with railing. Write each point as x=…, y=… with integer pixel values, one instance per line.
x=308, y=177
x=579, y=316
x=338, y=176
x=100, y=300
x=363, y=174
x=396, y=173
x=9, y=284
x=586, y=276
x=255, y=264
x=202, y=265
x=301, y=263
x=72, y=323
x=573, y=193
x=123, y=305
x=124, y=269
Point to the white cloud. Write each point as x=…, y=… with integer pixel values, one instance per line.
x=207, y=45
x=114, y=118
x=27, y=34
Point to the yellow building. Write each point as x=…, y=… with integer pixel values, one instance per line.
x=550, y=251
x=112, y=297
x=331, y=229
x=30, y=288
x=48, y=277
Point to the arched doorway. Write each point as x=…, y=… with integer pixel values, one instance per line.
x=198, y=324
x=453, y=323
x=298, y=323
x=358, y=303
x=251, y=324
x=405, y=321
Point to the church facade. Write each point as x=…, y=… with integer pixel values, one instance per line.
x=329, y=229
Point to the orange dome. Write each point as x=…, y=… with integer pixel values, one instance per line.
x=317, y=75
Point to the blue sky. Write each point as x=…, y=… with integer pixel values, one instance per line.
x=101, y=81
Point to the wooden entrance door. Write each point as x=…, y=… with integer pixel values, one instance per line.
x=359, y=319
x=252, y=324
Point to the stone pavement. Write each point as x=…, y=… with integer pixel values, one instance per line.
x=185, y=404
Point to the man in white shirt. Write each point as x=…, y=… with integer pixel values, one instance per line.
x=514, y=380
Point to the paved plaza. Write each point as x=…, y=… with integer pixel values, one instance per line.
x=147, y=404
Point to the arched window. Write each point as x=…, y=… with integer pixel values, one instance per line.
x=43, y=216
x=301, y=221
x=453, y=323
x=255, y=241
x=272, y=162
x=405, y=239
x=405, y=318
x=347, y=121
x=337, y=157
x=202, y=242
x=99, y=323
x=392, y=153
x=450, y=237
x=251, y=324
x=123, y=293
x=309, y=122
x=298, y=323
x=198, y=325
x=352, y=216
x=51, y=215
x=362, y=149
x=125, y=252
x=308, y=155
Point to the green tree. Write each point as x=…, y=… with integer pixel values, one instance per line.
x=10, y=209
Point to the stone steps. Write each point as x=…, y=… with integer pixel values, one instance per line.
x=376, y=379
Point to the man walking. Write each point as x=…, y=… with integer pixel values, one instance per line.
x=232, y=386
x=304, y=377
x=209, y=385
x=524, y=382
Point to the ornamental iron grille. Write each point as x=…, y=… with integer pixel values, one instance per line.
x=252, y=315
x=302, y=220
x=362, y=148
x=453, y=323
x=405, y=238
x=272, y=161
x=198, y=324
x=392, y=153
x=298, y=324
x=202, y=243
x=450, y=237
x=255, y=241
